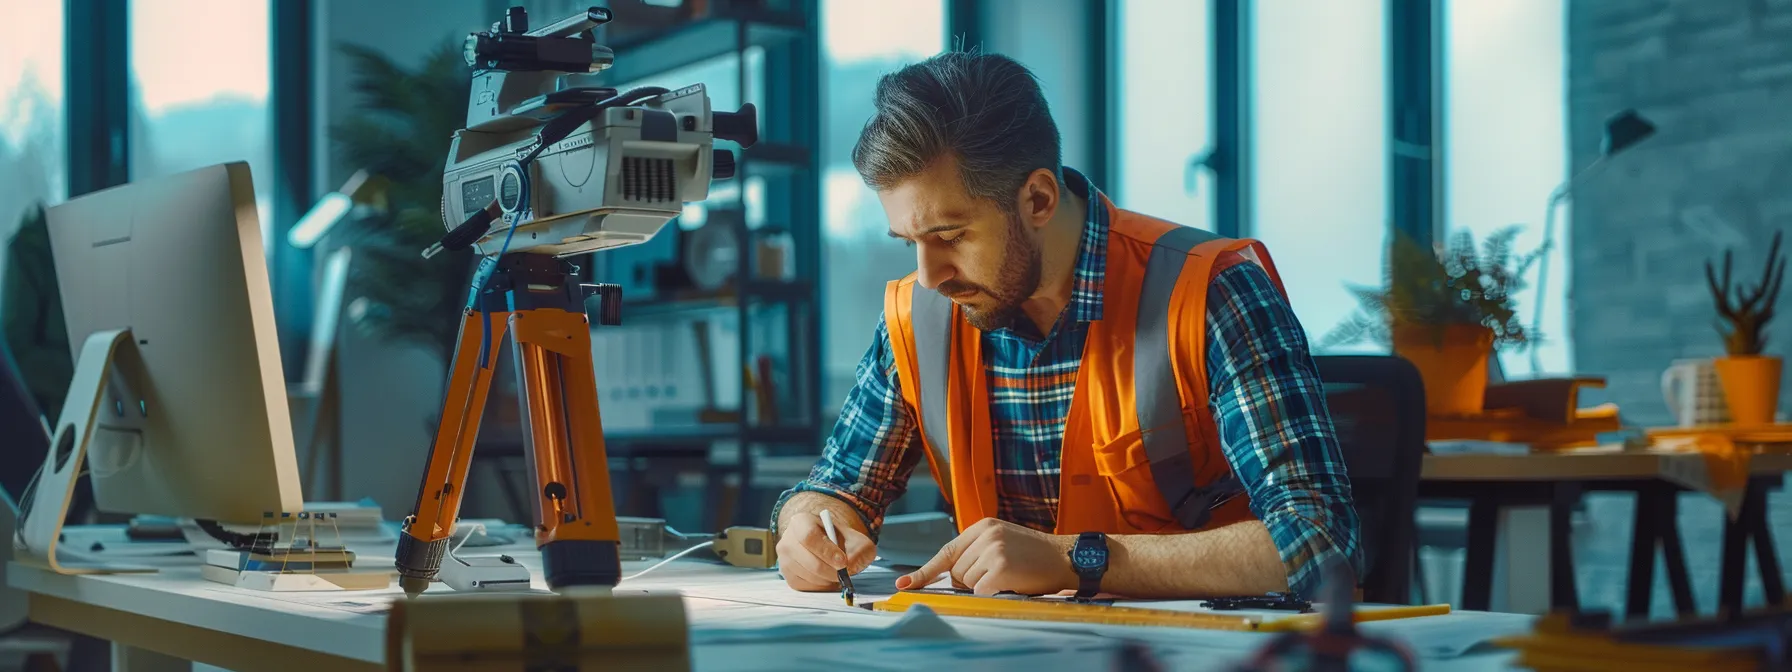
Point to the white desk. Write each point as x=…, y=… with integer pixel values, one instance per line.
x=160, y=621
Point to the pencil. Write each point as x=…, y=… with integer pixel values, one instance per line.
x=827, y=523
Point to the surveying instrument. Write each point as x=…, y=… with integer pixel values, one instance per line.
x=552, y=165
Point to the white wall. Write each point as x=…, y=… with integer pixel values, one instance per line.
x=1051, y=38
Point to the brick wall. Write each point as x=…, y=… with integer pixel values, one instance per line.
x=1716, y=78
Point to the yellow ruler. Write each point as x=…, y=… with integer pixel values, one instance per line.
x=1310, y=621
x=1072, y=612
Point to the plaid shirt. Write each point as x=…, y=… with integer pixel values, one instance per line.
x=1265, y=391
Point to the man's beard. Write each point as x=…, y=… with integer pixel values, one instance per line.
x=1016, y=280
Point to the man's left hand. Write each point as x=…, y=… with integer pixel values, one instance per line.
x=993, y=556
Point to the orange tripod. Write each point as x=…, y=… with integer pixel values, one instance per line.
x=536, y=299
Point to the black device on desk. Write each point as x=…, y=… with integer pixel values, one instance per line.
x=154, y=529
x=1335, y=646
x=1270, y=601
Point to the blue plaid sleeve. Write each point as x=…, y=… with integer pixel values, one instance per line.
x=866, y=462
x=1275, y=428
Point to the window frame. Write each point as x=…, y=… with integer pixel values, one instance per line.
x=1415, y=195
x=97, y=72
x=1415, y=90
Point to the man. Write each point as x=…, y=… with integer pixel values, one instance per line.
x=1041, y=330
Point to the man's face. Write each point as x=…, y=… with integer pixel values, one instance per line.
x=983, y=258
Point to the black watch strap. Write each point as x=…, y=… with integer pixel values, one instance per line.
x=1089, y=579
x=1088, y=587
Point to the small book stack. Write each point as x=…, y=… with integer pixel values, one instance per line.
x=1544, y=414
x=313, y=568
x=354, y=523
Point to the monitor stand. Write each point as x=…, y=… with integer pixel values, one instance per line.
x=40, y=526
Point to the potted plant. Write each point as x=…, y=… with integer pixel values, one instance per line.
x=1750, y=379
x=404, y=123
x=31, y=317
x=405, y=119
x=1446, y=311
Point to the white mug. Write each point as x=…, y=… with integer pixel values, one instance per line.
x=1693, y=393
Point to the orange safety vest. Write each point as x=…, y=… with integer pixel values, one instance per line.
x=1141, y=452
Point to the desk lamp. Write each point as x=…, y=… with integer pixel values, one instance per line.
x=361, y=188
x=1622, y=131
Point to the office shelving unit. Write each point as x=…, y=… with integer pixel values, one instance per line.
x=785, y=36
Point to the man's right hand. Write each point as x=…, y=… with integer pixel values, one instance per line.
x=811, y=562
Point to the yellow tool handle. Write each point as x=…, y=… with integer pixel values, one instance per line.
x=1554, y=661
x=1576, y=651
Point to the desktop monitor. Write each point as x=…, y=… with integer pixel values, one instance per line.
x=193, y=422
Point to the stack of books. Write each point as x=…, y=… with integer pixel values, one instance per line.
x=356, y=522
x=338, y=523
x=291, y=569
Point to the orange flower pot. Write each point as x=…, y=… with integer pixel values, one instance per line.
x=1451, y=362
x=1751, y=387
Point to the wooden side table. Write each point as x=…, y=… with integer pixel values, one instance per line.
x=1557, y=479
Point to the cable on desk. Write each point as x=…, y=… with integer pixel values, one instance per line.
x=682, y=536
x=662, y=563
x=242, y=542
x=472, y=529
x=25, y=499
x=18, y=530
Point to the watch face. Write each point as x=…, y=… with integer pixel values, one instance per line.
x=1088, y=557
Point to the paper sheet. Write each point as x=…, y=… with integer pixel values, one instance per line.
x=357, y=606
x=920, y=625
x=1450, y=635
x=723, y=602
x=354, y=602
x=904, y=655
x=761, y=586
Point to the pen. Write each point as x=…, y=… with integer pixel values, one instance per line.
x=827, y=523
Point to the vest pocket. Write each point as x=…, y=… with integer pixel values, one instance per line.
x=1123, y=464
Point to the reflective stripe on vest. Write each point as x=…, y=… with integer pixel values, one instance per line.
x=931, y=315
x=1163, y=433
x=1154, y=387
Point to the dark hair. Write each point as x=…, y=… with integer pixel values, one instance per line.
x=986, y=110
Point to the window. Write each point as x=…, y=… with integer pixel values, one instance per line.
x=32, y=132
x=199, y=95
x=1505, y=131
x=862, y=40
x=1165, y=109
x=1320, y=164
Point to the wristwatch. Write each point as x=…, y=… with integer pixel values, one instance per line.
x=1089, y=557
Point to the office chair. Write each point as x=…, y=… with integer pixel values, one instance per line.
x=1377, y=404
x=21, y=450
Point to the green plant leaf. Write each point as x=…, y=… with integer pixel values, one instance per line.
x=1458, y=283
x=405, y=121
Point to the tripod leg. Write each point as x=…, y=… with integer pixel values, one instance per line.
x=577, y=534
x=425, y=537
